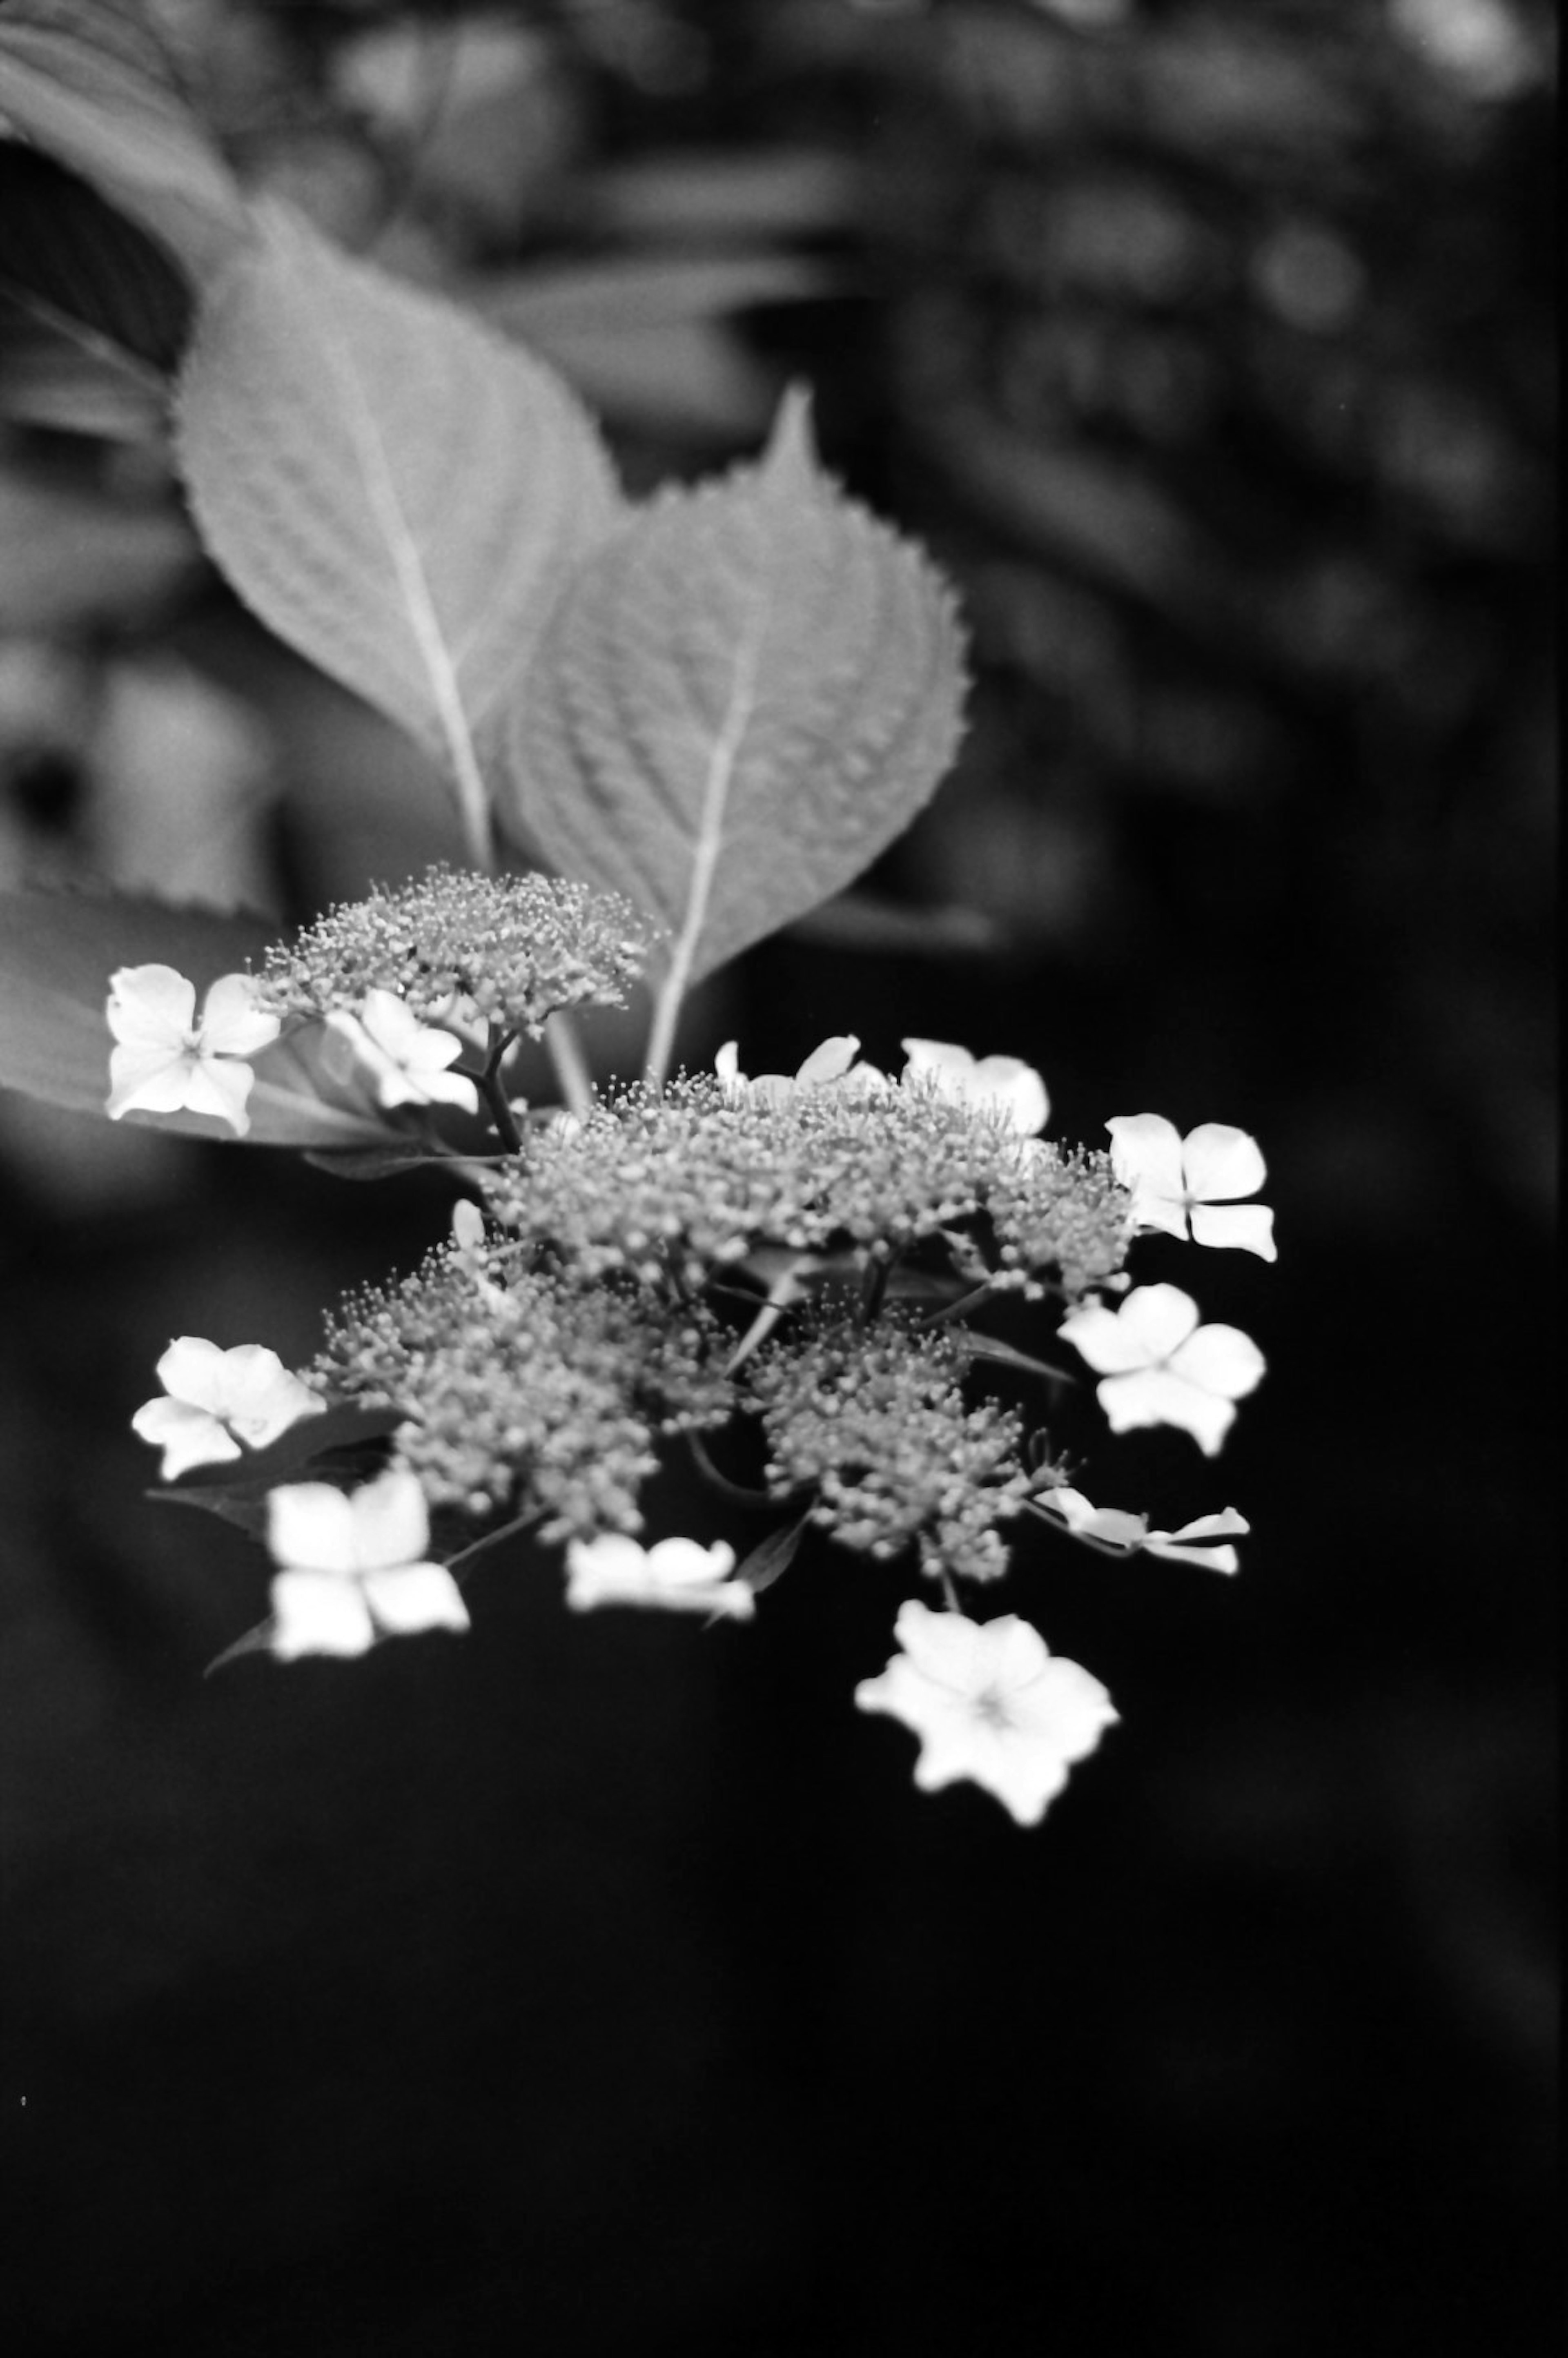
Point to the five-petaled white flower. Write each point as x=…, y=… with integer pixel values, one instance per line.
x=833, y=1061
x=1160, y=1366
x=677, y=1575
x=1114, y=1527
x=1003, y=1085
x=990, y=1702
x=167, y=1061
x=406, y=1060
x=1176, y=1180
x=353, y=1567
x=211, y=1396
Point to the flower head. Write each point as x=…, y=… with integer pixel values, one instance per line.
x=167, y=1061
x=408, y=1063
x=676, y=1574
x=352, y=1569
x=1160, y=1366
x=1176, y=1180
x=1003, y=1085
x=1114, y=1527
x=990, y=1702
x=212, y=1395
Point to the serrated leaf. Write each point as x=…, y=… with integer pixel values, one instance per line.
x=89, y=81
x=396, y=490
x=737, y=703
x=57, y=951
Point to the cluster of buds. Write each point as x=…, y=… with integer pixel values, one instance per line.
x=785, y=1273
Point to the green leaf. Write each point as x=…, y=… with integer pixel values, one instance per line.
x=772, y=1557
x=57, y=951
x=395, y=491
x=89, y=81
x=737, y=703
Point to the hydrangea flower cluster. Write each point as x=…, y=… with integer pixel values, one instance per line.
x=786, y=1278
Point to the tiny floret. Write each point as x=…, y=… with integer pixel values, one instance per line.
x=1160, y=1366
x=676, y=1575
x=406, y=1061
x=352, y=1568
x=1004, y=1087
x=990, y=1702
x=1176, y=1180
x=169, y=1061
x=213, y=1399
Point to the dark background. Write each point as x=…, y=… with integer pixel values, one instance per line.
x=595, y=1984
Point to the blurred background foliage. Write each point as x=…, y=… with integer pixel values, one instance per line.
x=623, y=1989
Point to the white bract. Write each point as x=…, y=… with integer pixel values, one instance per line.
x=676, y=1574
x=833, y=1061
x=168, y=1060
x=406, y=1061
x=1114, y=1527
x=990, y=1702
x=1160, y=1366
x=353, y=1567
x=1177, y=1180
x=216, y=1399
x=1002, y=1086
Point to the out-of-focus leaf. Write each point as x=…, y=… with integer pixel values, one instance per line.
x=367, y=1162
x=737, y=703
x=728, y=193
x=395, y=491
x=57, y=951
x=69, y=557
x=324, y=1443
x=55, y=378
x=88, y=81
x=74, y=262
x=687, y=376
x=650, y=291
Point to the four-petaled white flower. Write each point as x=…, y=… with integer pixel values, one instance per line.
x=677, y=1575
x=211, y=1396
x=1114, y=1527
x=1160, y=1366
x=406, y=1060
x=353, y=1567
x=169, y=1062
x=1176, y=1180
x=990, y=1702
x=833, y=1061
x=1002, y=1086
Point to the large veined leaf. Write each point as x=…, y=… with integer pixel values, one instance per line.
x=395, y=490
x=57, y=951
x=88, y=81
x=737, y=703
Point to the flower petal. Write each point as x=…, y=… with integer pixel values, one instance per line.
x=1101, y=1338
x=1146, y=1153
x=151, y=1006
x=1249, y=1226
x=187, y=1435
x=414, y=1597
x=194, y=1369
x=1221, y=1360
x=232, y=1024
x=317, y=1614
x=310, y=1526
x=1221, y=1161
x=831, y=1062
x=392, y=1522
x=1156, y=1396
x=677, y=1563
x=148, y=1079
x=220, y=1088
x=1158, y=1318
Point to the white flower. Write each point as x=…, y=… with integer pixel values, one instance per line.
x=1003, y=1085
x=990, y=1702
x=1175, y=1180
x=407, y=1061
x=1160, y=1367
x=167, y=1061
x=213, y=1395
x=353, y=1567
x=677, y=1575
x=833, y=1061
x=1114, y=1527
